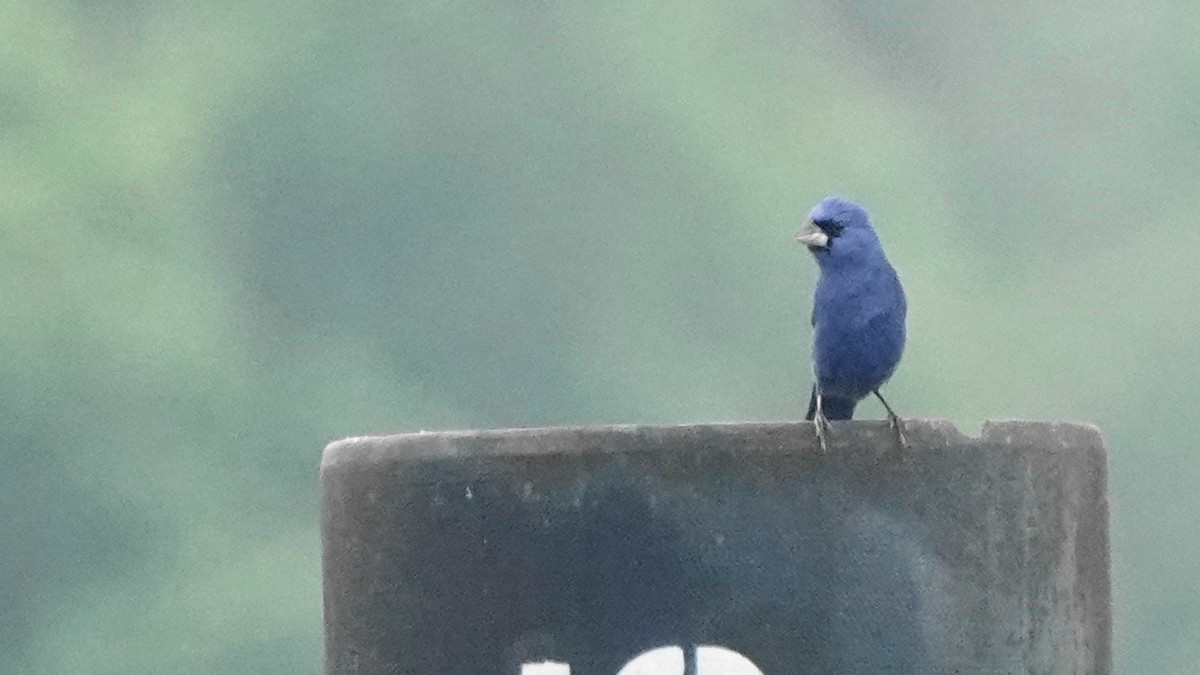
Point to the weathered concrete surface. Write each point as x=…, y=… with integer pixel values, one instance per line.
x=472, y=552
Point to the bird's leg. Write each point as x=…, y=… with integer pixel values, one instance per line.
x=821, y=424
x=893, y=420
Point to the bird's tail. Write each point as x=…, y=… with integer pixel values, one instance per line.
x=833, y=407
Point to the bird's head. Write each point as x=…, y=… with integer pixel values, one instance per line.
x=838, y=229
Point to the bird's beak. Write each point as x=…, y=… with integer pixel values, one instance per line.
x=812, y=236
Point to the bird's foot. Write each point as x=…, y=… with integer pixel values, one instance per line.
x=821, y=424
x=898, y=425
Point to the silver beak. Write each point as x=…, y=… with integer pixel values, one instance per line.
x=812, y=236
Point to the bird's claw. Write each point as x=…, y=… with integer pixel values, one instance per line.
x=898, y=425
x=822, y=428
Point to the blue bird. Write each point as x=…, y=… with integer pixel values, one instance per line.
x=858, y=314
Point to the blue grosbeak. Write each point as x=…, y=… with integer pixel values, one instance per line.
x=858, y=314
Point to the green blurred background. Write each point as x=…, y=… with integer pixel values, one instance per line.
x=233, y=231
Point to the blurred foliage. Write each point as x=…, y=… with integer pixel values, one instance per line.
x=235, y=231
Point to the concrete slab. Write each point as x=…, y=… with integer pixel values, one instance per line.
x=477, y=552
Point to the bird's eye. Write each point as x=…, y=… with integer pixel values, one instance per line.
x=829, y=227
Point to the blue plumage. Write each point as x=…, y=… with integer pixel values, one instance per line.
x=858, y=313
